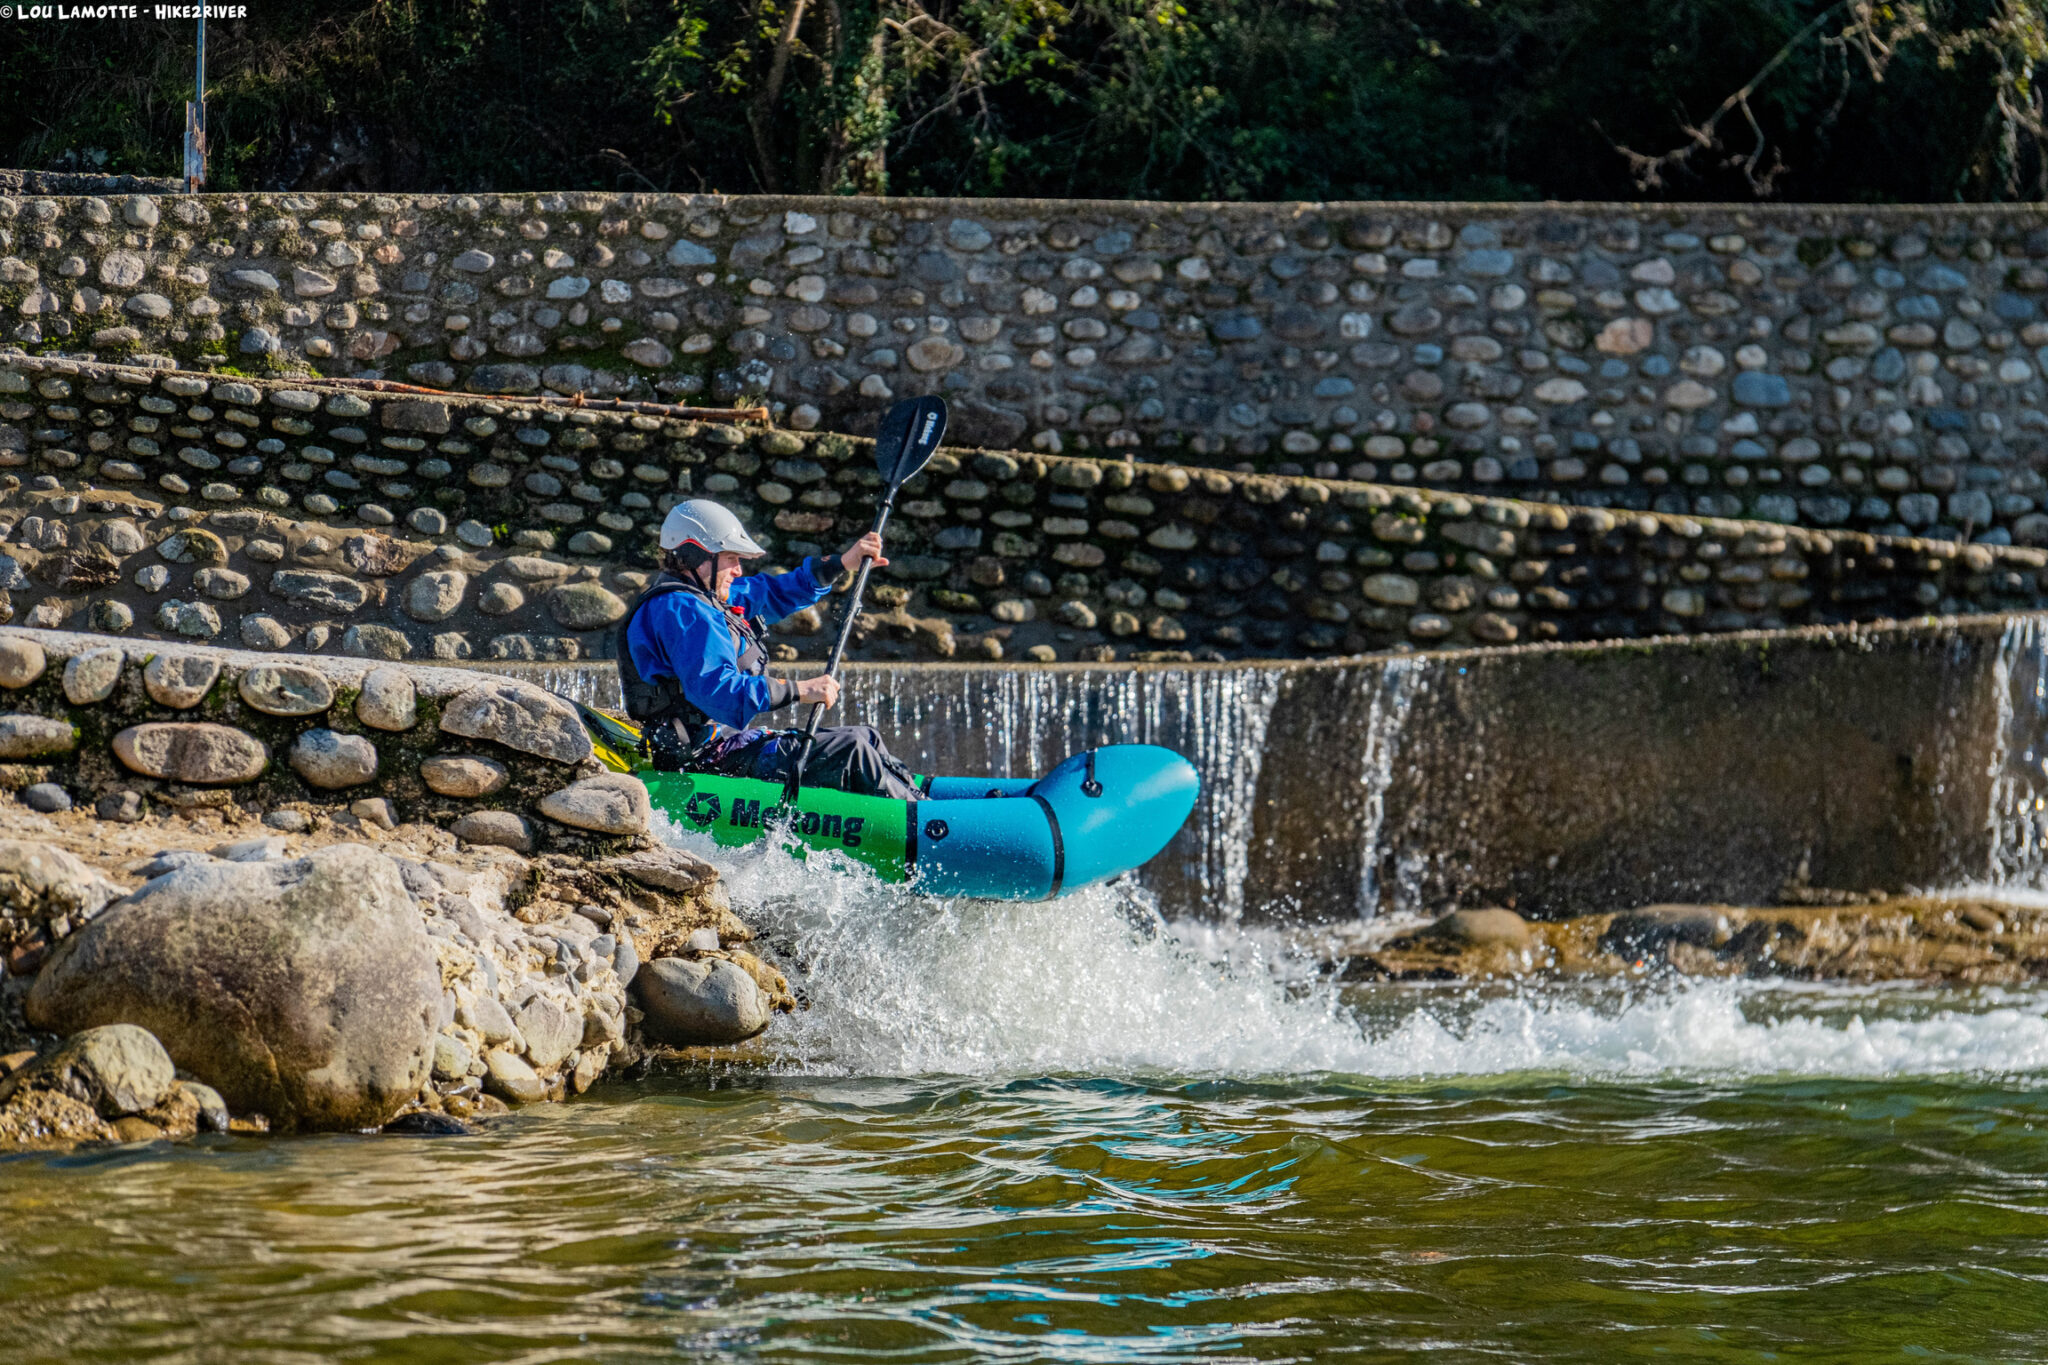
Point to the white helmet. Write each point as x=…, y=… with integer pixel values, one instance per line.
x=703, y=523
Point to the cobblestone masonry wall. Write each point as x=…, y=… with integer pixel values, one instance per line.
x=283, y=515
x=535, y=955
x=1876, y=369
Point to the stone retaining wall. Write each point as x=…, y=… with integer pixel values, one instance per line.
x=288, y=515
x=1833, y=366
x=130, y=728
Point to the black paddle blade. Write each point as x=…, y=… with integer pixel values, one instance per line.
x=908, y=437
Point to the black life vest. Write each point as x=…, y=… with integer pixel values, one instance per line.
x=654, y=702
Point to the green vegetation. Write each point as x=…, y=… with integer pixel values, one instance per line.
x=1166, y=99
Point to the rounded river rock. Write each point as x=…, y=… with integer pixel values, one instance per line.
x=286, y=690
x=330, y=759
x=200, y=753
x=688, y=1003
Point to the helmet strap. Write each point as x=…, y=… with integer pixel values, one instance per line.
x=691, y=562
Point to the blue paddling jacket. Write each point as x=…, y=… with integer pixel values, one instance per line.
x=684, y=657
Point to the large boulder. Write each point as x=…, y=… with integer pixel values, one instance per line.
x=306, y=990
x=687, y=1003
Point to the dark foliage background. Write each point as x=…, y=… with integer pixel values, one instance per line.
x=1203, y=99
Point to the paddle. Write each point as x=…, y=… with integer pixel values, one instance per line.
x=907, y=439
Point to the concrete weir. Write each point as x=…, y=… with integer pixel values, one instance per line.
x=1558, y=779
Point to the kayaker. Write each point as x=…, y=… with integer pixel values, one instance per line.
x=693, y=661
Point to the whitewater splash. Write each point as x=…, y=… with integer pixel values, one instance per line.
x=1100, y=984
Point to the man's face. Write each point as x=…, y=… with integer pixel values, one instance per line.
x=726, y=570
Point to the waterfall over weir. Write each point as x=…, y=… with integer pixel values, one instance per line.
x=2018, y=817
x=1552, y=778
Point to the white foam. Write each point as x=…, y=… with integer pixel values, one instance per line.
x=1097, y=984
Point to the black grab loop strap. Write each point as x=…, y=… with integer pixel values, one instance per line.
x=1089, y=786
x=1059, y=846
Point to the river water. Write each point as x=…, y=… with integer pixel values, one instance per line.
x=1078, y=1132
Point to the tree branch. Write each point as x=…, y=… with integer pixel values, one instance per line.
x=761, y=112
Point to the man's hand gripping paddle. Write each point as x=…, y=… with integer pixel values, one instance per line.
x=905, y=442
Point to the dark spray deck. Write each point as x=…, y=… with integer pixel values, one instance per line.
x=1560, y=779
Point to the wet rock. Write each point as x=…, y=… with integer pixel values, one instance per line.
x=41, y=1118
x=180, y=681
x=519, y=716
x=422, y=1123
x=614, y=803
x=90, y=678
x=332, y=760
x=1982, y=918
x=209, y=1110
x=21, y=662
x=689, y=1003
x=463, y=775
x=1653, y=928
x=388, y=700
x=495, y=828
x=1480, y=928
x=26, y=737
x=203, y=754
x=304, y=990
x=116, y=1068
x=286, y=690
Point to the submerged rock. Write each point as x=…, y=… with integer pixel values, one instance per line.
x=306, y=990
